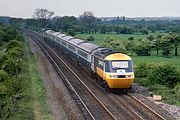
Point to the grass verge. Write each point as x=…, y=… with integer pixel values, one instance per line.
x=34, y=103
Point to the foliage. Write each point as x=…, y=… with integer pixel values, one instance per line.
x=71, y=32
x=11, y=82
x=88, y=19
x=165, y=74
x=143, y=48
x=114, y=44
x=3, y=76
x=2, y=35
x=12, y=44
x=43, y=14
x=163, y=79
x=91, y=38
x=143, y=69
x=10, y=33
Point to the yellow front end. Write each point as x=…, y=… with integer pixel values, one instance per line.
x=119, y=80
x=114, y=82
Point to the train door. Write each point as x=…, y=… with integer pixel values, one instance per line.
x=92, y=63
x=99, y=67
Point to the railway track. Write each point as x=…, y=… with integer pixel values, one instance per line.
x=136, y=108
x=151, y=114
x=90, y=105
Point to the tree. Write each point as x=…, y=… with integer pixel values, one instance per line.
x=10, y=34
x=88, y=19
x=156, y=44
x=103, y=29
x=144, y=31
x=110, y=42
x=166, y=45
x=143, y=48
x=2, y=35
x=175, y=40
x=43, y=14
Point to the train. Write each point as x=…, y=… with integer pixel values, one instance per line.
x=110, y=66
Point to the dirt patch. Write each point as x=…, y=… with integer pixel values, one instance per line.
x=62, y=104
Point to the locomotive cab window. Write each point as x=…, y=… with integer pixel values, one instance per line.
x=119, y=64
x=101, y=64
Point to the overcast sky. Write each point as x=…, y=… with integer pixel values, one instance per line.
x=130, y=8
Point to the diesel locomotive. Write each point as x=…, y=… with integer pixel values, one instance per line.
x=113, y=67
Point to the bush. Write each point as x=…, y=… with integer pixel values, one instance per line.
x=143, y=69
x=16, y=85
x=14, y=43
x=3, y=76
x=71, y=32
x=2, y=35
x=165, y=75
x=91, y=38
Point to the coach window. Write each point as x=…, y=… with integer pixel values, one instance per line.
x=82, y=54
x=72, y=48
x=58, y=40
x=64, y=43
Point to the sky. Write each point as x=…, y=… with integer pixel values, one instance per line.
x=100, y=8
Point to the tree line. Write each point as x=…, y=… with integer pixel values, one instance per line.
x=88, y=23
x=166, y=44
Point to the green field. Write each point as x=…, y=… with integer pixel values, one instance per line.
x=99, y=38
x=157, y=60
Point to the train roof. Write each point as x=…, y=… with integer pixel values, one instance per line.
x=76, y=41
x=61, y=35
x=89, y=47
x=84, y=45
x=67, y=38
x=117, y=56
x=103, y=52
x=49, y=31
x=56, y=33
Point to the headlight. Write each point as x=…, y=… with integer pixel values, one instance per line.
x=129, y=76
x=113, y=76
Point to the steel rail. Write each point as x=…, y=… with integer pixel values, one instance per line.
x=158, y=116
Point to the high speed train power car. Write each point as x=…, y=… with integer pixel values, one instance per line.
x=115, y=68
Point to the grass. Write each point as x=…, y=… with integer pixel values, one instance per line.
x=99, y=38
x=34, y=103
x=174, y=60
